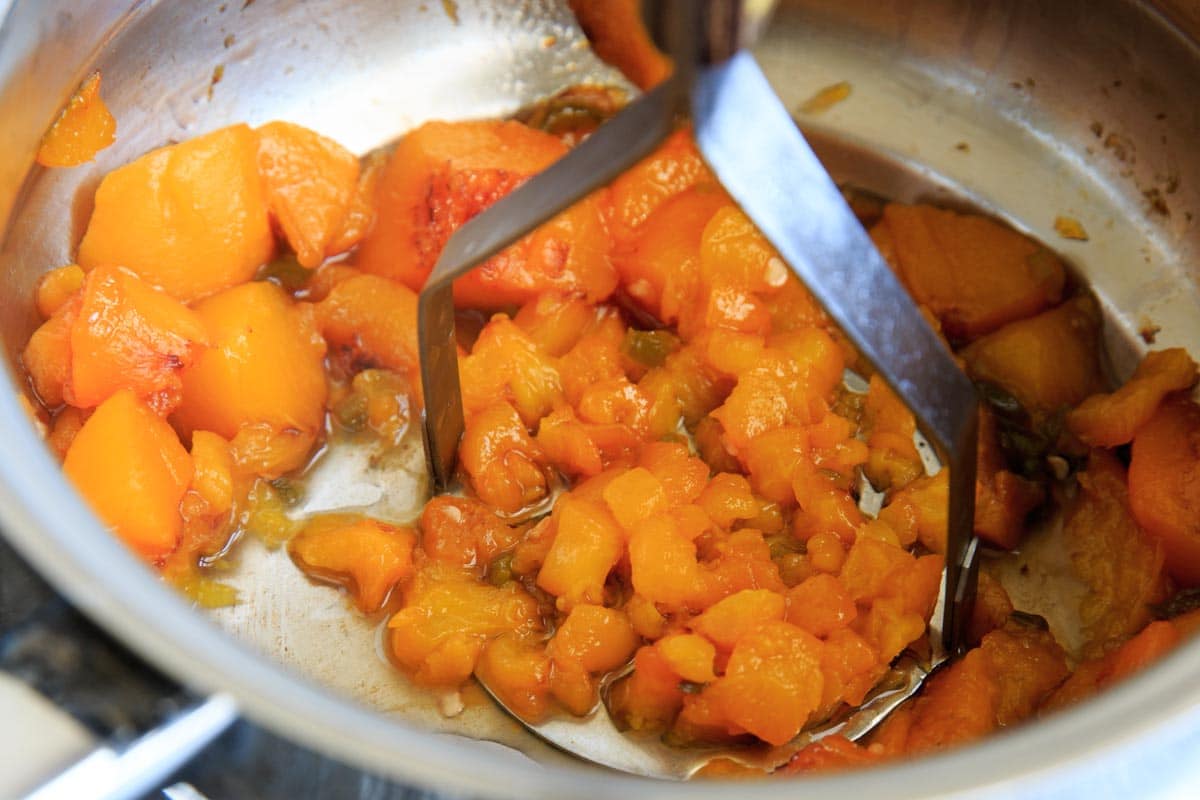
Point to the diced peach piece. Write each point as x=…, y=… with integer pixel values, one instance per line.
x=310, y=181
x=820, y=605
x=506, y=364
x=190, y=218
x=727, y=498
x=893, y=461
x=458, y=531
x=831, y=754
x=683, y=476
x=1047, y=362
x=851, y=668
x=600, y=639
x=371, y=556
x=649, y=699
x=972, y=272
x=675, y=166
x=1121, y=567
x=555, y=321
x=375, y=318
x=264, y=368
x=1164, y=485
x=66, y=426
x=690, y=656
x=502, y=460
x=773, y=682
x=519, y=674
x=1152, y=643
x=573, y=687
x=918, y=511
x=450, y=608
x=586, y=546
x=212, y=476
x=660, y=268
x=1003, y=499
x=663, y=565
x=634, y=496
x=83, y=128
x=743, y=561
x=47, y=355
x=360, y=215
x=122, y=445
x=728, y=621
x=130, y=335
x=443, y=174
x=1107, y=420
x=733, y=252
x=56, y=287
x=869, y=564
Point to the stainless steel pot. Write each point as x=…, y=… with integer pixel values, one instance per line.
x=1030, y=109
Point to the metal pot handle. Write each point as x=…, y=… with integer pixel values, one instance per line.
x=133, y=769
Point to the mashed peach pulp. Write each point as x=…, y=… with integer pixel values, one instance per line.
x=661, y=458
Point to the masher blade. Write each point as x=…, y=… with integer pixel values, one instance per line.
x=756, y=150
x=614, y=147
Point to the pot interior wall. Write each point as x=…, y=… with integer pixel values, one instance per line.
x=1030, y=110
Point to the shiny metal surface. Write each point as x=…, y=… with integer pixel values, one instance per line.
x=1023, y=85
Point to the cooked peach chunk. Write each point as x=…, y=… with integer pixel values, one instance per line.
x=130, y=335
x=730, y=620
x=586, y=546
x=506, y=365
x=519, y=674
x=213, y=476
x=1107, y=420
x=443, y=174
x=128, y=464
x=682, y=476
x=649, y=699
x=262, y=374
x=820, y=605
x=56, y=287
x=555, y=321
x=893, y=461
x=47, y=354
x=635, y=495
x=663, y=564
x=83, y=128
x=660, y=267
x=447, y=618
x=1148, y=646
x=1164, y=485
x=690, y=656
x=368, y=555
x=360, y=214
x=502, y=460
x=463, y=532
x=190, y=218
x=310, y=181
x=1121, y=566
x=1047, y=362
x=974, y=273
x=675, y=166
x=374, y=317
x=773, y=682
x=598, y=638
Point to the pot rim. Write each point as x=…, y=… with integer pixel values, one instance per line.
x=50, y=526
